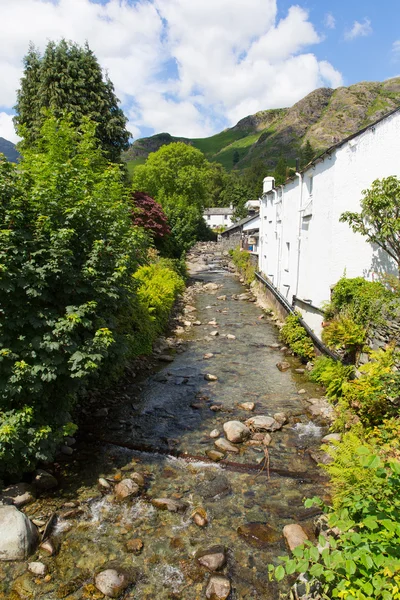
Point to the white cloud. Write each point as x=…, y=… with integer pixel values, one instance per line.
x=7, y=130
x=231, y=58
x=359, y=30
x=330, y=21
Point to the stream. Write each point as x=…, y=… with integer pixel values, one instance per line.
x=160, y=428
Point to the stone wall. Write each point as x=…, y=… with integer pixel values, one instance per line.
x=385, y=333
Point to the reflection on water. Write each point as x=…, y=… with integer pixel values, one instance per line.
x=172, y=414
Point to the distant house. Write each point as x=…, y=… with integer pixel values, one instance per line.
x=304, y=248
x=251, y=235
x=233, y=236
x=218, y=217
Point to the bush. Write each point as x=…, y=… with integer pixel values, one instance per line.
x=360, y=299
x=344, y=334
x=361, y=561
x=293, y=334
x=332, y=375
x=67, y=254
x=242, y=261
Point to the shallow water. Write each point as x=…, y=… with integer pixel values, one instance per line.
x=168, y=415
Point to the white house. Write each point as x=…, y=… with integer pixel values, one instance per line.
x=251, y=234
x=218, y=217
x=304, y=249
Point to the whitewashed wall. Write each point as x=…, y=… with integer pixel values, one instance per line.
x=214, y=221
x=304, y=249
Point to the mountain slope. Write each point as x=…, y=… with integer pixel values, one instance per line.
x=324, y=117
x=9, y=150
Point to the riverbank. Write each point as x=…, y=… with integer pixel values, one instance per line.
x=165, y=431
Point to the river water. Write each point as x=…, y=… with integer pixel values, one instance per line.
x=161, y=430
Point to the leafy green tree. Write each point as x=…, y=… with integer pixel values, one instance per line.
x=68, y=79
x=280, y=172
x=235, y=157
x=217, y=182
x=237, y=192
x=379, y=219
x=307, y=153
x=67, y=254
x=177, y=176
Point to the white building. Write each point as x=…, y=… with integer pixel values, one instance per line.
x=304, y=249
x=218, y=217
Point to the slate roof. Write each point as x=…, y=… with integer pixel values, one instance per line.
x=218, y=211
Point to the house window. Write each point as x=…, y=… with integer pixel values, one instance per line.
x=208, y=217
x=226, y=217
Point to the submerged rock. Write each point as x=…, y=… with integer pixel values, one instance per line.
x=19, y=536
x=44, y=480
x=208, y=355
x=125, y=489
x=111, y=583
x=209, y=377
x=236, y=431
x=259, y=535
x=210, y=287
x=225, y=446
x=218, y=588
x=37, y=568
x=214, y=434
x=199, y=517
x=283, y=366
x=247, y=405
x=213, y=558
x=215, y=455
x=169, y=504
x=294, y=536
x=263, y=423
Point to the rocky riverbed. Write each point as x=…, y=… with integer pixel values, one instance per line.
x=183, y=480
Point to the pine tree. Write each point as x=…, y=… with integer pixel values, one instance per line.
x=68, y=79
x=280, y=172
x=307, y=153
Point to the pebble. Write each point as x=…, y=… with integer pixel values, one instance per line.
x=166, y=358
x=218, y=588
x=19, y=494
x=213, y=559
x=214, y=434
x=267, y=439
x=225, y=446
x=37, y=568
x=294, y=536
x=48, y=547
x=126, y=489
x=215, y=455
x=103, y=483
x=199, y=517
x=44, y=480
x=247, y=405
x=214, y=333
x=283, y=366
x=208, y=355
x=236, y=431
x=209, y=377
x=169, y=504
x=137, y=478
x=111, y=583
x=302, y=391
x=230, y=336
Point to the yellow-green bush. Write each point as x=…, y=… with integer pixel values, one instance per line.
x=343, y=333
x=293, y=334
x=242, y=261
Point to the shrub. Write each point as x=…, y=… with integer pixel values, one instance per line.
x=362, y=561
x=67, y=254
x=332, y=375
x=242, y=260
x=293, y=334
x=344, y=334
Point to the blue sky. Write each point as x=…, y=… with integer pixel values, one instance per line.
x=194, y=67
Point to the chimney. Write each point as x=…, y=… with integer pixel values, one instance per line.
x=268, y=184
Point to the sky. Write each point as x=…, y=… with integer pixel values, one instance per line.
x=194, y=67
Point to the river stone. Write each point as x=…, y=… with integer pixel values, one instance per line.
x=137, y=478
x=244, y=296
x=294, y=536
x=263, y=423
x=281, y=418
x=259, y=535
x=189, y=309
x=208, y=355
x=135, y=545
x=199, y=517
x=48, y=547
x=211, y=286
x=247, y=405
x=214, y=434
x=169, y=504
x=283, y=365
x=103, y=483
x=267, y=439
x=218, y=588
x=126, y=489
x=209, y=377
x=213, y=558
x=214, y=333
x=223, y=297
x=19, y=494
x=332, y=437
x=230, y=336
x=111, y=583
x=37, y=568
x=215, y=455
x=214, y=487
x=236, y=431
x=44, y=481
x=19, y=536
x=225, y=446
x=213, y=323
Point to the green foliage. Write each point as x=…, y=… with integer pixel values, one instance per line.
x=294, y=334
x=375, y=395
x=332, y=375
x=280, y=172
x=68, y=79
x=362, y=300
x=362, y=561
x=159, y=285
x=379, y=219
x=177, y=176
x=67, y=254
x=307, y=154
x=343, y=333
x=242, y=260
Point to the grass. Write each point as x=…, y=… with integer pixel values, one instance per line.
x=212, y=145
x=131, y=164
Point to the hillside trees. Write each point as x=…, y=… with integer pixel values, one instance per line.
x=67, y=254
x=177, y=176
x=379, y=219
x=68, y=79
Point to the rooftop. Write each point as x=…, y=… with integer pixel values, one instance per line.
x=219, y=210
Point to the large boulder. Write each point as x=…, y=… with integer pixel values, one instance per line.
x=236, y=431
x=19, y=536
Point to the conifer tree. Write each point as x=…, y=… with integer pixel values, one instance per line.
x=307, y=153
x=68, y=79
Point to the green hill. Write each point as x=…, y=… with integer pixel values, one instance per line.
x=324, y=117
x=8, y=149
